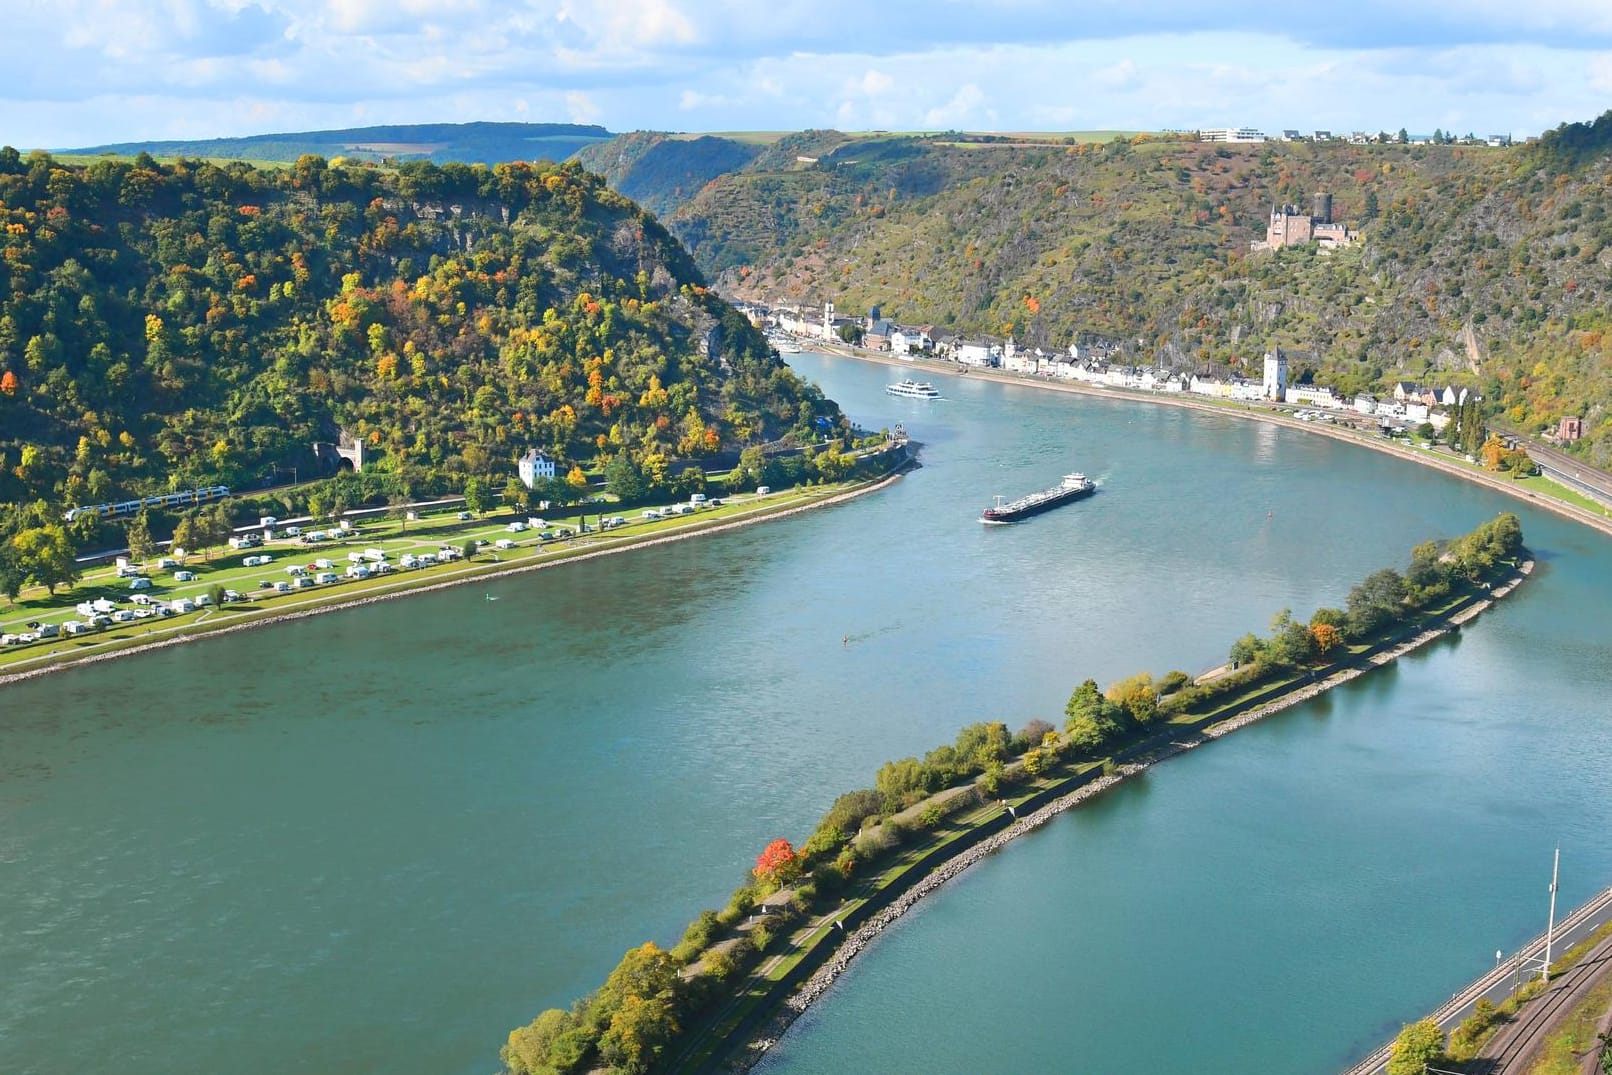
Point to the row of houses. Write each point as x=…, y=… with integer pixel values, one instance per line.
x=1358, y=138
x=1092, y=364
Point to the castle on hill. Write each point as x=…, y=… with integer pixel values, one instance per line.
x=1291, y=227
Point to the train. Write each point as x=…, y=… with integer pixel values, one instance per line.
x=168, y=500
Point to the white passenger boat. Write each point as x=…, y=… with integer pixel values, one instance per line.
x=913, y=389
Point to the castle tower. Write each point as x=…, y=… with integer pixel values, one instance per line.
x=1276, y=375
x=1323, y=208
x=828, y=320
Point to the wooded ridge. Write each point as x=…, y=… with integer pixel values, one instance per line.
x=1485, y=267
x=167, y=327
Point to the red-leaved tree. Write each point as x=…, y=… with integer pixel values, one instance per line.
x=778, y=863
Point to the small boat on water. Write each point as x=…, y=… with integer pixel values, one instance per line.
x=1073, y=487
x=913, y=389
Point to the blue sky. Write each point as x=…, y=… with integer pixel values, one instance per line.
x=82, y=72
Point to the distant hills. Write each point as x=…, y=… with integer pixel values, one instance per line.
x=469, y=143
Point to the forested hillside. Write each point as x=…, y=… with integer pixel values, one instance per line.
x=1479, y=265
x=661, y=171
x=165, y=327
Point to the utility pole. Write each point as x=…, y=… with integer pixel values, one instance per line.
x=1550, y=923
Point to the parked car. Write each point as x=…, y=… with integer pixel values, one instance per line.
x=463, y=516
x=166, y=562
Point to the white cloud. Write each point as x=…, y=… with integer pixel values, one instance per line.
x=965, y=109
x=146, y=68
x=580, y=108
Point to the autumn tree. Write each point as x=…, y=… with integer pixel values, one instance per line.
x=476, y=500
x=44, y=556
x=1136, y=696
x=1418, y=1045
x=187, y=536
x=138, y=535
x=1325, y=637
x=516, y=495
x=777, y=864
x=639, y=1031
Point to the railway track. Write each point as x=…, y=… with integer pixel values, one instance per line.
x=1514, y=1048
x=1499, y=983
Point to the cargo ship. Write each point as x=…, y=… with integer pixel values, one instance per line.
x=1073, y=487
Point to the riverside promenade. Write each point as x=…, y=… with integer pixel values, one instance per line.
x=1509, y=975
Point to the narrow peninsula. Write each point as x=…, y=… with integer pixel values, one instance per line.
x=740, y=975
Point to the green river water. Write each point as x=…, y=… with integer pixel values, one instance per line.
x=376, y=840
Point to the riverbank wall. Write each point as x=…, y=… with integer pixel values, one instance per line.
x=904, y=458
x=789, y=996
x=1247, y=412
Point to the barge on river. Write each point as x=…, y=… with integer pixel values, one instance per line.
x=1073, y=487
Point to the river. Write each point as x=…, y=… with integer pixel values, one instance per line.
x=376, y=840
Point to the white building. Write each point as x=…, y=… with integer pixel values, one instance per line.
x=1365, y=405
x=1275, y=382
x=1314, y=395
x=975, y=354
x=1016, y=361
x=1230, y=134
x=535, y=466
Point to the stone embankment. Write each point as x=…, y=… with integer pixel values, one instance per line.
x=860, y=938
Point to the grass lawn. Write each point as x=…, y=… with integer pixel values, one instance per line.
x=428, y=534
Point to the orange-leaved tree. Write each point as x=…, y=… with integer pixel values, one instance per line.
x=777, y=864
x=1326, y=637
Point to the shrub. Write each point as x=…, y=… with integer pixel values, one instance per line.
x=1173, y=681
x=990, y=781
x=849, y=810
x=1031, y=734
x=720, y=966
x=877, y=840
x=761, y=937
x=701, y=930
x=823, y=843
x=932, y=816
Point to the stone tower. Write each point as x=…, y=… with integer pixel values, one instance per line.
x=1276, y=375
